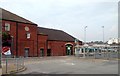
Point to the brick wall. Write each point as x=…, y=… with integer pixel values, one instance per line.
x=24, y=42
x=17, y=30
x=36, y=42
x=42, y=44
x=12, y=32
x=58, y=48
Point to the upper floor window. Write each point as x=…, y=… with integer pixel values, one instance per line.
x=28, y=35
x=7, y=27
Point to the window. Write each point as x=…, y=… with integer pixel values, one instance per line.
x=82, y=50
x=7, y=27
x=28, y=35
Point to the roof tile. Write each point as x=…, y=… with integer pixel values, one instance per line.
x=54, y=34
x=10, y=16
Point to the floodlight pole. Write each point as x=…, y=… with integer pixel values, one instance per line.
x=85, y=34
x=103, y=33
x=85, y=39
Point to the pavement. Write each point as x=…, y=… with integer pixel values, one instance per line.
x=12, y=67
x=69, y=65
x=0, y=71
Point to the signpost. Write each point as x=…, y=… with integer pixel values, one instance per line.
x=6, y=51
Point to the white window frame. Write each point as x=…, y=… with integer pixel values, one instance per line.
x=28, y=35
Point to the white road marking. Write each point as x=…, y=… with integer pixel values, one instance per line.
x=70, y=63
x=63, y=61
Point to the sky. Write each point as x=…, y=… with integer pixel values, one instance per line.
x=71, y=16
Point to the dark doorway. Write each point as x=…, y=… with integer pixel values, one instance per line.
x=69, y=49
x=41, y=52
x=26, y=52
x=49, y=52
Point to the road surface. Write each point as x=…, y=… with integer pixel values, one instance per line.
x=69, y=65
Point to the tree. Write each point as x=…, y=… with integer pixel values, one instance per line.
x=6, y=39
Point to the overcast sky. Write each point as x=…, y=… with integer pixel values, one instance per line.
x=70, y=16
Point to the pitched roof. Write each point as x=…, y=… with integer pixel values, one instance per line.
x=54, y=34
x=13, y=17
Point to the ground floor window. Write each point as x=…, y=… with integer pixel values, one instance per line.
x=48, y=52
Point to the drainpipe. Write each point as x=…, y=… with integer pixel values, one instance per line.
x=16, y=39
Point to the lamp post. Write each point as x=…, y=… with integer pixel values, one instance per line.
x=103, y=40
x=84, y=40
x=103, y=33
x=85, y=34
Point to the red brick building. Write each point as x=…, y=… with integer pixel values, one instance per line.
x=31, y=40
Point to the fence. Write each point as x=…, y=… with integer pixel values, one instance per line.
x=103, y=55
x=11, y=65
x=97, y=52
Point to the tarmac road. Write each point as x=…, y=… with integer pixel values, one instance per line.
x=69, y=65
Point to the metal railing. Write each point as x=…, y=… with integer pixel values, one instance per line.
x=102, y=55
x=12, y=65
x=97, y=53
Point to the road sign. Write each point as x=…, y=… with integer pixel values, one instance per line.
x=6, y=51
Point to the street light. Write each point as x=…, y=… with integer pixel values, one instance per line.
x=103, y=39
x=84, y=40
x=103, y=33
x=85, y=34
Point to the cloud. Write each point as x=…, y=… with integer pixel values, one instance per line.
x=114, y=29
x=69, y=14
